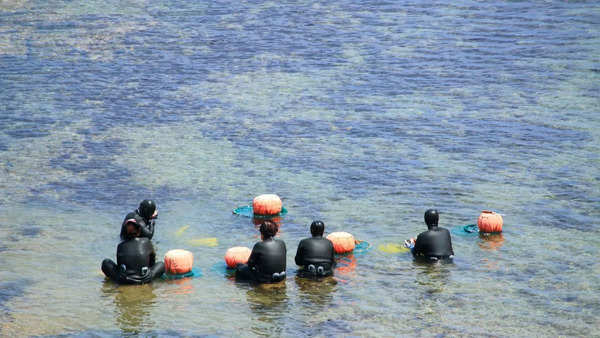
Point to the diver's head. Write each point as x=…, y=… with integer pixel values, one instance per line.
x=147, y=209
x=431, y=218
x=317, y=228
x=268, y=229
x=131, y=226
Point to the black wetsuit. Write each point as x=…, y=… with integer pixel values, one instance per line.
x=135, y=263
x=433, y=244
x=315, y=254
x=146, y=226
x=267, y=262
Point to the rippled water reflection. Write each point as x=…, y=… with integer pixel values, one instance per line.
x=360, y=114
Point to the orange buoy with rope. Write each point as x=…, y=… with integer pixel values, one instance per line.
x=342, y=241
x=178, y=261
x=267, y=204
x=489, y=222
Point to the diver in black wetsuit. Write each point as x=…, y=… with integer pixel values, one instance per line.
x=148, y=213
x=433, y=244
x=315, y=254
x=135, y=256
x=267, y=261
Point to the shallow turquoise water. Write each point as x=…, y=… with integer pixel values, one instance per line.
x=362, y=114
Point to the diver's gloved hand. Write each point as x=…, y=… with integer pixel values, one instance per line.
x=409, y=243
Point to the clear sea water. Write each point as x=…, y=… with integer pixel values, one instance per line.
x=360, y=113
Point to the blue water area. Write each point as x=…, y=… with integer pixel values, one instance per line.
x=11, y=289
x=360, y=114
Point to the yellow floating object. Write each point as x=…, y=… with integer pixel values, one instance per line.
x=392, y=248
x=208, y=241
x=181, y=230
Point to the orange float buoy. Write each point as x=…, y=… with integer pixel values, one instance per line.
x=342, y=241
x=267, y=204
x=489, y=222
x=237, y=255
x=178, y=261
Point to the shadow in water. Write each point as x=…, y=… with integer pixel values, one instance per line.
x=133, y=305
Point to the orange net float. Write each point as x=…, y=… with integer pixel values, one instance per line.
x=342, y=241
x=237, y=255
x=178, y=261
x=489, y=222
x=267, y=204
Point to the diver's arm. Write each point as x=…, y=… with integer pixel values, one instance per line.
x=157, y=270
x=147, y=230
x=123, y=234
x=152, y=258
x=333, y=262
x=418, y=246
x=253, y=259
x=300, y=254
x=450, y=242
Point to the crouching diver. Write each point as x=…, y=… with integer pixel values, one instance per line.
x=315, y=254
x=433, y=244
x=135, y=256
x=267, y=261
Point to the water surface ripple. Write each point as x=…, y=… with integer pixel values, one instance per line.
x=359, y=113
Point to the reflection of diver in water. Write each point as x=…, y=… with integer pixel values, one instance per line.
x=269, y=303
x=267, y=295
x=430, y=293
x=135, y=257
x=315, y=255
x=318, y=292
x=133, y=305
